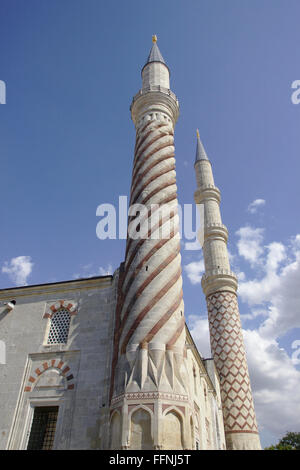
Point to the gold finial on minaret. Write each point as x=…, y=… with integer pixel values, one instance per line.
x=198, y=135
x=154, y=38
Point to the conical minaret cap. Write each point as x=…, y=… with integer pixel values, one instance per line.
x=155, y=54
x=200, y=151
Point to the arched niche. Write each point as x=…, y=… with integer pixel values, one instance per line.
x=173, y=431
x=140, y=430
x=115, y=431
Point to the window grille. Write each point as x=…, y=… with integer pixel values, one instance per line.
x=43, y=428
x=59, y=328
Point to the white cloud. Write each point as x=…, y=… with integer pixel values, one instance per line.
x=240, y=275
x=278, y=289
x=18, y=269
x=273, y=297
x=105, y=271
x=275, y=382
x=274, y=379
x=262, y=290
x=285, y=302
x=250, y=244
x=194, y=271
x=255, y=313
x=90, y=271
x=296, y=242
x=253, y=207
x=200, y=332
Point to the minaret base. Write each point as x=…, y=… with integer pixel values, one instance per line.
x=150, y=421
x=242, y=441
x=228, y=350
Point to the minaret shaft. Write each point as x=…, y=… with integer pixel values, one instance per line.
x=220, y=286
x=153, y=264
x=149, y=348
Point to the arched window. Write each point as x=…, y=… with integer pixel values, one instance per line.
x=59, y=327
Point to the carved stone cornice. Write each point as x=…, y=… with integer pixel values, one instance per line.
x=209, y=192
x=155, y=98
x=217, y=280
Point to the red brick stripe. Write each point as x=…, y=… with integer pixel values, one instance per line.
x=163, y=320
x=155, y=191
x=140, y=136
x=46, y=366
x=153, y=178
x=154, y=250
x=139, y=164
x=152, y=230
x=171, y=197
x=176, y=335
x=144, y=137
x=145, y=310
x=147, y=281
x=153, y=164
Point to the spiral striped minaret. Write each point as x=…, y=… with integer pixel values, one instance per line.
x=219, y=285
x=150, y=326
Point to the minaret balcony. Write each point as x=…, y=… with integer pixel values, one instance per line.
x=203, y=194
x=150, y=88
x=219, y=279
x=154, y=98
x=215, y=231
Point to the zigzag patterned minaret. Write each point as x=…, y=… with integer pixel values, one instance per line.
x=150, y=330
x=219, y=285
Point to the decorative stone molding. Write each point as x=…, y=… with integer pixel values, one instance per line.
x=167, y=407
x=165, y=103
x=215, y=231
x=146, y=406
x=207, y=193
x=117, y=410
x=71, y=306
x=58, y=365
x=150, y=395
x=219, y=280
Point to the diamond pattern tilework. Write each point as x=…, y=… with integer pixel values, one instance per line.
x=228, y=350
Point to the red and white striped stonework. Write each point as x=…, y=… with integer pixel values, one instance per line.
x=228, y=350
x=150, y=313
x=153, y=306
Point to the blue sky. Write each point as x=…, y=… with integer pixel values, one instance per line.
x=71, y=69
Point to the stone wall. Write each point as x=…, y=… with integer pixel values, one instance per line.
x=74, y=376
